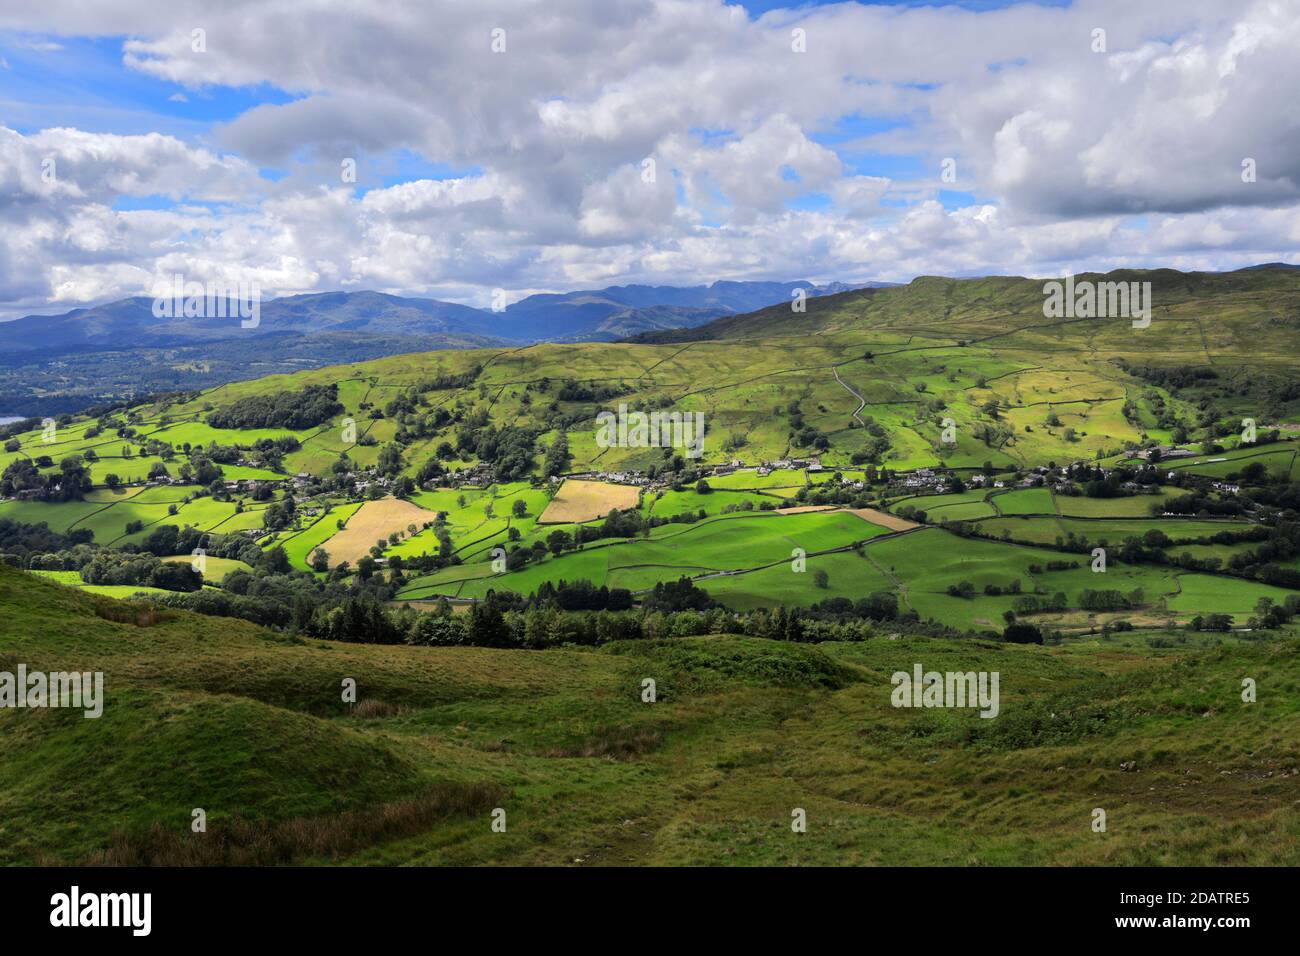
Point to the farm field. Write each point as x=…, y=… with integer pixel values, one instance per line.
x=1025, y=501
x=1136, y=506
x=729, y=542
x=1207, y=594
x=214, y=569
x=669, y=503
x=1046, y=530
x=299, y=545
x=372, y=521
x=577, y=501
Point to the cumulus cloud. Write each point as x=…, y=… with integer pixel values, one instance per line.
x=770, y=158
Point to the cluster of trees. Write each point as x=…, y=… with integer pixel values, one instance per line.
x=1210, y=622
x=1040, y=604
x=1262, y=563
x=499, y=623
x=509, y=449
x=19, y=541
x=167, y=540
x=1269, y=614
x=1109, y=599
x=557, y=459
x=582, y=596
x=571, y=391
x=140, y=570
x=310, y=407
x=69, y=483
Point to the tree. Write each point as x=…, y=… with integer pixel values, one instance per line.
x=559, y=541
x=519, y=508
x=487, y=626
x=390, y=459
x=1022, y=634
x=821, y=579
x=320, y=560
x=111, y=480
x=557, y=457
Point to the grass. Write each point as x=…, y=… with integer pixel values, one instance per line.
x=730, y=542
x=215, y=714
x=214, y=569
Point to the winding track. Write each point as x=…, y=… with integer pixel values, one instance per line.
x=862, y=402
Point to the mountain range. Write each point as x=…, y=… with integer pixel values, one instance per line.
x=595, y=315
x=65, y=362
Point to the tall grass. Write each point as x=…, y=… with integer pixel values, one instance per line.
x=240, y=842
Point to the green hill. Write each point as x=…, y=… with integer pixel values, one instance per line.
x=249, y=726
x=977, y=351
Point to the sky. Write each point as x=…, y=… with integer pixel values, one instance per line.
x=454, y=148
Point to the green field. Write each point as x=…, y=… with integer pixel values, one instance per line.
x=728, y=543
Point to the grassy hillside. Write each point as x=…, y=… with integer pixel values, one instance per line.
x=250, y=726
x=977, y=351
x=865, y=379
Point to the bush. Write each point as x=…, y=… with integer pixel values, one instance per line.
x=1020, y=633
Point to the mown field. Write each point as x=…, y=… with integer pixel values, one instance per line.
x=216, y=714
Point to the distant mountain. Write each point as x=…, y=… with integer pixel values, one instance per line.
x=587, y=315
x=83, y=356
x=604, y=315
x=131, y=323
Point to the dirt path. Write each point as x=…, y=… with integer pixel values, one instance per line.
x=862, y=402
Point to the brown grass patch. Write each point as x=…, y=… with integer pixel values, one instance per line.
x=585, y=500
x=613, y=743
x=803, y=509
x=139, y=613
x=372, y=709
x=372, y=521
x=884, y=519
x=239, y=842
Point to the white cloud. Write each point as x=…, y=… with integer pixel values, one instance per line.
x=1075, y=158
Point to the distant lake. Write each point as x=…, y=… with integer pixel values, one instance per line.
x=10, y=419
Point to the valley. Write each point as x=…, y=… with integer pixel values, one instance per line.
x=900, y=475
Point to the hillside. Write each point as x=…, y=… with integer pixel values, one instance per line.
x=1022, y=447
x=250, y=727
x=912, y=356
x=67, y=362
